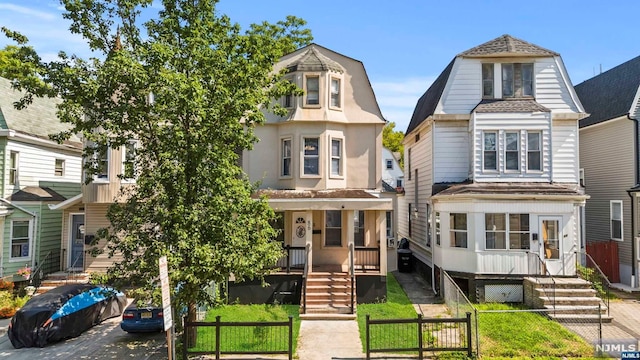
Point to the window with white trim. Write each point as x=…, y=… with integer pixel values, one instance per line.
x=487, y=81
x=389, y=164
x=286, y=157
x=311, y=161
x=517, y=80
x=458, y=230
x=14, y=159
x=312, y=90
x=615, y=216
x=495, y=231
x=519, y=232
x=59, y=168
x=336, y=157
x=333, y=228
x=437, y=227
x=389, y=216
x=100, y=164
x=20, y=238
x=490, y=150
x=512, y=151
x=534, y=151
x=335, y=93
x=499, y=227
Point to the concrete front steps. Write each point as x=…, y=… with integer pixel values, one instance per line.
x=573, y=300
x=328, y=296
x=60, y=278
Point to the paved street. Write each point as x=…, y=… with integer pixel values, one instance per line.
x=104, y=341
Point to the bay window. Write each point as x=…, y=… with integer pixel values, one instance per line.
x=458, y=230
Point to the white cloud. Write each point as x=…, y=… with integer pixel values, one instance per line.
x=28, y=11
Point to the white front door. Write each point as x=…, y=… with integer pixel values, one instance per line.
x=301, y=229
x=551, y=249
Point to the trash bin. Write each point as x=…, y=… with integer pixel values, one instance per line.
x=405, y=257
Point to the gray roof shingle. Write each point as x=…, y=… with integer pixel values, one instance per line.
x=507, y=188
x=507, y=45
x=610, y=94
x=313, y=60
x=38, y=119
x=509, y=106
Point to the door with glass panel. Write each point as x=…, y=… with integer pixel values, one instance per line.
x=551, y=249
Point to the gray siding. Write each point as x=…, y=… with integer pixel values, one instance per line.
x=606, y=154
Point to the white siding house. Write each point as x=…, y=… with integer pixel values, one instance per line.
x=492, y=174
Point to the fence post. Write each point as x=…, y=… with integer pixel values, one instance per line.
x=600, y=325
x=469, y=349
x=475, y=314
x=419, y=336
x=185, y=339
x=218, y=337
x=367, y=340
x=290, y=337
x=288, y=247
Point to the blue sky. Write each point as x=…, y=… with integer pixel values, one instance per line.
x=403, y=44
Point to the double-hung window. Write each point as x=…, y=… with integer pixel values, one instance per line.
x=358, y=228
x=59, y=168
x=20, y=238
x=333, y=228
x=517, y=80
x=495, y=231
x=534, y=153
x=312, y=88
x=490, y=151
x=286, y=157
x=519, y=231
x=500, y=227
x=101, y=164
x=389, y=164
x=311, y=160
x=487, y=81
x=336, y=157
x=13, y=167
x=615, y=214
x=437, y=227
x=335, y=100
x=458, y=229
x=512, y=151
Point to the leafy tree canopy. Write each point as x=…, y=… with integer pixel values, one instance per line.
x=188, y=86
x=392, y=140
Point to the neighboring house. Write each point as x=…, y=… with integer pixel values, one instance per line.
x=392, y=186
x=609, y=154
x=492, y=189
x=36, y=172
x=392, y=173
x=321, y=169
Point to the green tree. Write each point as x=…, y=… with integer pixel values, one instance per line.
x=392, y=140
x=189, y=86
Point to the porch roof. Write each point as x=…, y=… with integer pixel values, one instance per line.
x=510, y=190
x=347, y=199
x=36, y=193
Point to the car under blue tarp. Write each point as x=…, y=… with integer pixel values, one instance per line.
x=64, y=312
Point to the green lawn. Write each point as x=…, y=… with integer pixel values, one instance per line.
x=249, y=338
x=526, y=335
x=397, y=306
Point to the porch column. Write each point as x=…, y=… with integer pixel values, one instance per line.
x=381, y=231
x=350, y=229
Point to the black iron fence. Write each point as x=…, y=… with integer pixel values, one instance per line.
x=237, y=338
x=294, y=258
x=367, y=258
x=48, y=264
x=419, y=334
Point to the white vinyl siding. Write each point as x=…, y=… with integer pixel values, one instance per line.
x=451, y=151
x=565, y=151
x=38, y=164
x=504, y=123
x=464, y=87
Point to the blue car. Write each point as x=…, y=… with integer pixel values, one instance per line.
x=148, y=318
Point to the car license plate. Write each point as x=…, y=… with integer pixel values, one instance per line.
x=145, y=315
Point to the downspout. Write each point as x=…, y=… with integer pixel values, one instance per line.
x=636, y=158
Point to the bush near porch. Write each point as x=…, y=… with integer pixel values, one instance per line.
x=10, y=302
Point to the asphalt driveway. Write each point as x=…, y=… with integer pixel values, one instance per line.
x=104, y=341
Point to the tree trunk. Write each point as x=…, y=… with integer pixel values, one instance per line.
x=191, y=333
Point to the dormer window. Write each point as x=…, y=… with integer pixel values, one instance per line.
x=312, y=90
x=516, y=80
x=335, y=101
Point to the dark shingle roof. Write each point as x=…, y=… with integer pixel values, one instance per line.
x=429, y=100
x=610, y=94
x=509, y=106
x=36, y=193
x=313, y=60
x=507, y=45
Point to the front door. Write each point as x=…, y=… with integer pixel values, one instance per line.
x=77, y=242
x=301, y=229
x=551, y=249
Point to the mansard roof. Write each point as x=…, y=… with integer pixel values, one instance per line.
x=611, y=94
x=507, y=45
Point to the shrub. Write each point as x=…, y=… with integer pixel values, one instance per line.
x=6, y=285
